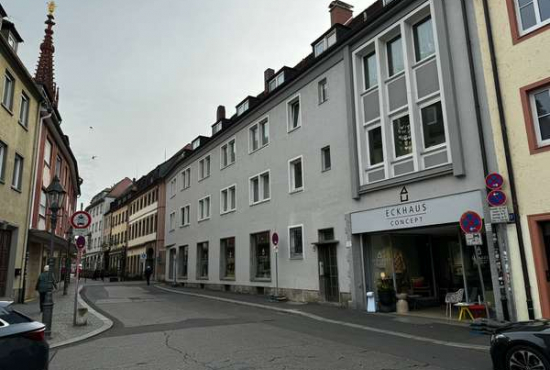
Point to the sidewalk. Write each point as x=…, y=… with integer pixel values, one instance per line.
x=63, y=331
x=406, y=326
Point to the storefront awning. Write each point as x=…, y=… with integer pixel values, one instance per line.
x=44, y=237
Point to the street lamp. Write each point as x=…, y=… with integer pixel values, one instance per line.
x=55, y=195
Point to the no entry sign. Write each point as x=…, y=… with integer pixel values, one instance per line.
x=471, y=222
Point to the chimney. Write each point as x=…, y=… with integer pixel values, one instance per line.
x=267, y=76
x=220, y=113
x=340, y=12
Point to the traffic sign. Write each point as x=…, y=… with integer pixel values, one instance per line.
x=474, y=239
x=499, y=215
x=275, y=239
x=143, y=256
x=81, y=220
x=471, y=222
x=494, y=181
x=496, y=198
x=81, y=242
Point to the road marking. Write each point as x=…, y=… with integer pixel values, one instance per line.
x=335, y=322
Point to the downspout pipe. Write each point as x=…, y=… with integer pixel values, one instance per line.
x=507, y=154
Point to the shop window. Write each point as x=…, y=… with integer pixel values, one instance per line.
x=183, y=261
x=296, y=241
x=261, y=259
x=202, y=260
x=228, y=258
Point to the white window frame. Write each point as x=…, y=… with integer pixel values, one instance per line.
x=290, y=254
x=276, y=81
x=404, y=51
x=201, y=206
x=373, y=52
x=535, y=117
x=200, y=166
x=367, y=145
x=3, y=160
x=217, y=127
x=324, y=43
x=261, y=185
x=420, y=108
x=24, y=110
x=173, y=186
x=185, y=221
x=322, y=90
x=17, y=179
x=227, y=194
x=185, y=178
x=391, y=119
x=225, y=150
x=12, y=41
x=258, y=125
x=539, y=23
x=48, y=158
x=291, y=180
x=324, y=166
x=243, y=107
x=172, y=221
x=290, y=113
x=9, y=80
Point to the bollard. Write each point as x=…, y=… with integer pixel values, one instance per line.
x=82, y=317
x=371, y=302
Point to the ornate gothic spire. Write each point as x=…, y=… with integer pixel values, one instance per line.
x=44, y=70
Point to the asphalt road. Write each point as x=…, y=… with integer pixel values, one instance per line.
x=165, y=331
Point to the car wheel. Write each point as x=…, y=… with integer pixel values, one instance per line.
x=526, y=358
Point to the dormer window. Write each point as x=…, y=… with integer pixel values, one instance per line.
x=12, y=41
x=277, y=81
x=242, y=108
x=195, y=144
x=216, y=128
x=325, y=43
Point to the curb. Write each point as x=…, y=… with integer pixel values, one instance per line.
x=335, y=322
x=107, y=324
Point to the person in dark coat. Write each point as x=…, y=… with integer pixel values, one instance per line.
x=43, y=285
x=148, y=273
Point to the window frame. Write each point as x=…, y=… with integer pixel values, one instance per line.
x=183, y=250
x=382, y=163
x=227, y=191
x=392, y=74
x=366, y=68
x=199, y=260
x=322, y=90
x=24, y=109
x=539, y=22
x=253, y=256
x=422, y=106
x=290, y=107
x=17, y=181
x=185, y=221
x=535, y=118
x=324, y=167
x=262, y=122
x=227, y=152
x=223, y=259
x=392, y=120
x=209, y=213
x=49, y=160
x=8, y=76
x=185, y=178
x=3, y=161
x=293, y=255
x=261, y=185
x=201, y=167
x=416, y=44
x=291, y=175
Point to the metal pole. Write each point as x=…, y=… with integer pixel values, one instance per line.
x=477, y=253
x=77, y=276
x=277, y=273
x=47, y=313
x=67, y=279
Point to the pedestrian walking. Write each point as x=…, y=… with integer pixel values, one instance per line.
x=148, y=273
x=43, y=285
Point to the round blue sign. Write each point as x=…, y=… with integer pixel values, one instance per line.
x=494, y=181
x=496, y=198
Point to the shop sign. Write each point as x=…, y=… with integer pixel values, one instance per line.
x=428, y=212
x=499, y=215
x=474, y=239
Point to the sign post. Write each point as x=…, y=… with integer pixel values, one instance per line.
x=275, y=241
x=80, y=221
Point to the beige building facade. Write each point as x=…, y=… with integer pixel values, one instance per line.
x=515, y=39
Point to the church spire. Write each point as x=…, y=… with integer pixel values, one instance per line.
x=44, y=70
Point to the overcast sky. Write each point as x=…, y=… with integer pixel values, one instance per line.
x=149, y=75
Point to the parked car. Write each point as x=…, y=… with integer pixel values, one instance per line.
x=522, y=346
x=22, y=341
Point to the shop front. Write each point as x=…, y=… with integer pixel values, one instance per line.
x=417, y=252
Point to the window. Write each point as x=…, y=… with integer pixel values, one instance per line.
x=424, y=45
x=296, y=243
x=204, y=168
x=402, y=138
x=227, y=247
x=173, y=186
x=43, y=204
x=395, y=56
x=172, y=221
x=323, y=91
x=216, y=128
x=259, y=135
x=184, y=215
x=183, y=261
x=375, y=145
x=3, y=159
x=48, y=153
x=24, y=110
x=533, y=14
x=432, y=125
x=17, y=172
x=242, y=108
x=325, y=43
x=320, y=48
x=326, y=235
x=259, y=188
x=325, y=158
x=12, y=41
x=331, y=39
x=204, y=208
x=261, y=259
x=227, y=199
x=540, y=103
x=9, y=85
x=196, y=143
x=58, y=164
x=276, y=81
x=202, y=260
x=370, y=70
x=186, y=179
x=294, y=117
x=227, y=154
x=296, y=178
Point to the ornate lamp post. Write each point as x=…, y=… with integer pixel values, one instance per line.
x=55, y=195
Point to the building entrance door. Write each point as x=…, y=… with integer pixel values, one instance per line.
x=5, y=241
x=540, y=239
x=328, y=273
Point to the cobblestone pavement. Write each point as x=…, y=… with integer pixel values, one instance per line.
x=62, y=322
